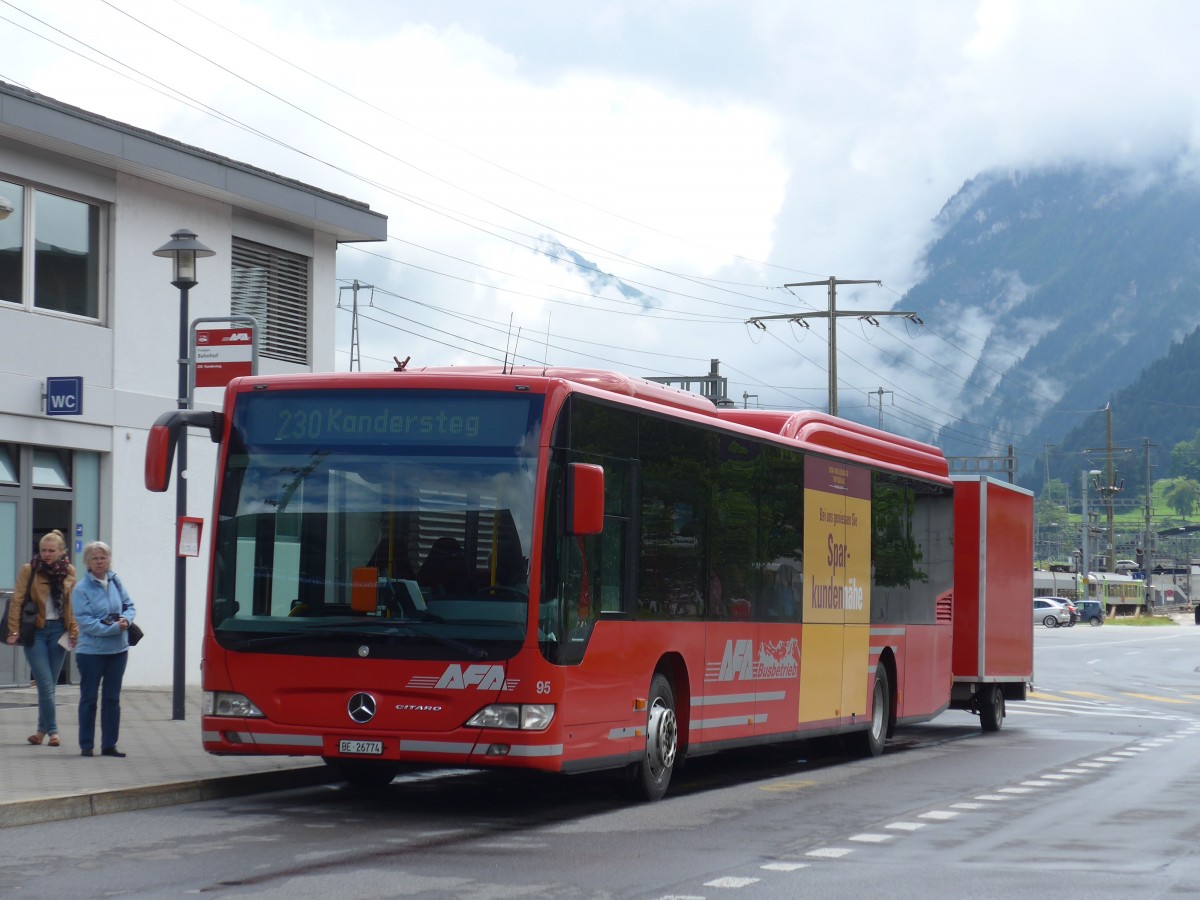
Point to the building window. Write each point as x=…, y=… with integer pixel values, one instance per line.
x=272, y=286
x=62, y=274
x=51, y=468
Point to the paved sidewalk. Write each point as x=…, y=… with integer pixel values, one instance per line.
x=165, y=765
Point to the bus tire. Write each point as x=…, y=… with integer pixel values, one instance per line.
x=652, y=773
x=870, y=742
x=363, y=773
x=991, y=708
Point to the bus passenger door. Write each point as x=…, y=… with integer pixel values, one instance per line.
x=837, y=567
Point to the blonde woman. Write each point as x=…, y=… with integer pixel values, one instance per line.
x=48, y=579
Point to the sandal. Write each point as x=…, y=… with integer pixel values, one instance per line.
x=53, y=742
x=36, y=737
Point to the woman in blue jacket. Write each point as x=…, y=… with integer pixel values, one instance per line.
x=104, y=613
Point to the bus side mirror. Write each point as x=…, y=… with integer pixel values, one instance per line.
x=164, y=433
x=160, y=447
x=585, y=499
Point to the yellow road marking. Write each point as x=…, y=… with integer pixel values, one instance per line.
x=784, y=786
x=1154, y=698
x=1088, y=695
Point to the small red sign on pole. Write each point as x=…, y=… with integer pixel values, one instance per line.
x=223, y=354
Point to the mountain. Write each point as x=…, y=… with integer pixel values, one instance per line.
x=1064, y=285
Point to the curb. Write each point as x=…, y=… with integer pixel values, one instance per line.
x=78, y=806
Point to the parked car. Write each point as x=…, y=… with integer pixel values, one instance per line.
x=1091, y=611
x=1072, y=609
x=1049, y=612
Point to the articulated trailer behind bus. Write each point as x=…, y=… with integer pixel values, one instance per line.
x=570, y=571
x=993, y=597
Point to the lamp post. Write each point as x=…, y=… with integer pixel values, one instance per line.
x=183, y=249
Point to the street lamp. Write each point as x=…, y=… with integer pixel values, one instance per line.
x=184, y=250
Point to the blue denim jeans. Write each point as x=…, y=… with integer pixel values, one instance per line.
x=100, y=673
x=45, y=660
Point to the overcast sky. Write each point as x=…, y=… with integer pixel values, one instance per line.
x=636, y=179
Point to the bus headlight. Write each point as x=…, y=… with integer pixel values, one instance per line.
x=224, y=703
x=514, y=716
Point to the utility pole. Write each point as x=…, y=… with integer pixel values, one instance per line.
x=879, y=392
x=833, y=314
x=355, y=350
x=1110, y=488
x=1147, y=537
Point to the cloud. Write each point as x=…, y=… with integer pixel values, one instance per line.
x=698, y=154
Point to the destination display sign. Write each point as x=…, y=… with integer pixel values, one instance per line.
x=325, y=418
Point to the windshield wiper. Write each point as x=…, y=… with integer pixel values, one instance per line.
x=367, y=627
x=370, y=626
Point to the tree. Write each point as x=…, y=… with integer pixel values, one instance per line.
x=1182, y=495
x=1185, y=458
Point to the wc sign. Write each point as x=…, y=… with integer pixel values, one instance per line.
x=64, y=395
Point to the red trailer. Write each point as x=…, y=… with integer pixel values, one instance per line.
x=993, y=596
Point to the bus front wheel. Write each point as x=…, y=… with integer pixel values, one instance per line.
x=652, y=773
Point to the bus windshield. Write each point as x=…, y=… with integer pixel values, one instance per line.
x=398, y=521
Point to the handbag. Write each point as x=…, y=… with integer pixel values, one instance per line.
x=28, y=620
x=133, y=633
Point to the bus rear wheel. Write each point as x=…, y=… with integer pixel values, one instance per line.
x=991, y=708
x=870, y=742
x=652, y=773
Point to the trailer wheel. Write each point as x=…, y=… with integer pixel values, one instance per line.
x=870, y=742
x=991, y=708
x=1050, y=622
x=652, y=773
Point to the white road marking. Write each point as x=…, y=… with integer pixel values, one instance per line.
x=869, y=838
x=905, y=826
x=830, y=852
x=784, y=867
x=731, y=882
x=940, y=814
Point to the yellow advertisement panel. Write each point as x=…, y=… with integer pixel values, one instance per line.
x=837, y=590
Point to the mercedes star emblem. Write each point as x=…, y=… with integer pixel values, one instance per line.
x=361, y=708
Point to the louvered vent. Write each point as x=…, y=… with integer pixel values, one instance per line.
x=272, y=286
x=945, y=608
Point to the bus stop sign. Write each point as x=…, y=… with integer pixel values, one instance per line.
x=223, y=354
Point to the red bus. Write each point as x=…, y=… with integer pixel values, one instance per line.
x=564, y=570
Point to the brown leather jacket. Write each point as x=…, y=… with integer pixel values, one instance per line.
x=37, y=587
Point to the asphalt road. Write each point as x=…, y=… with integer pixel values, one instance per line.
x=1092, y=789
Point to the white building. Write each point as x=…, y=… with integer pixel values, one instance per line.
x=85, y=202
